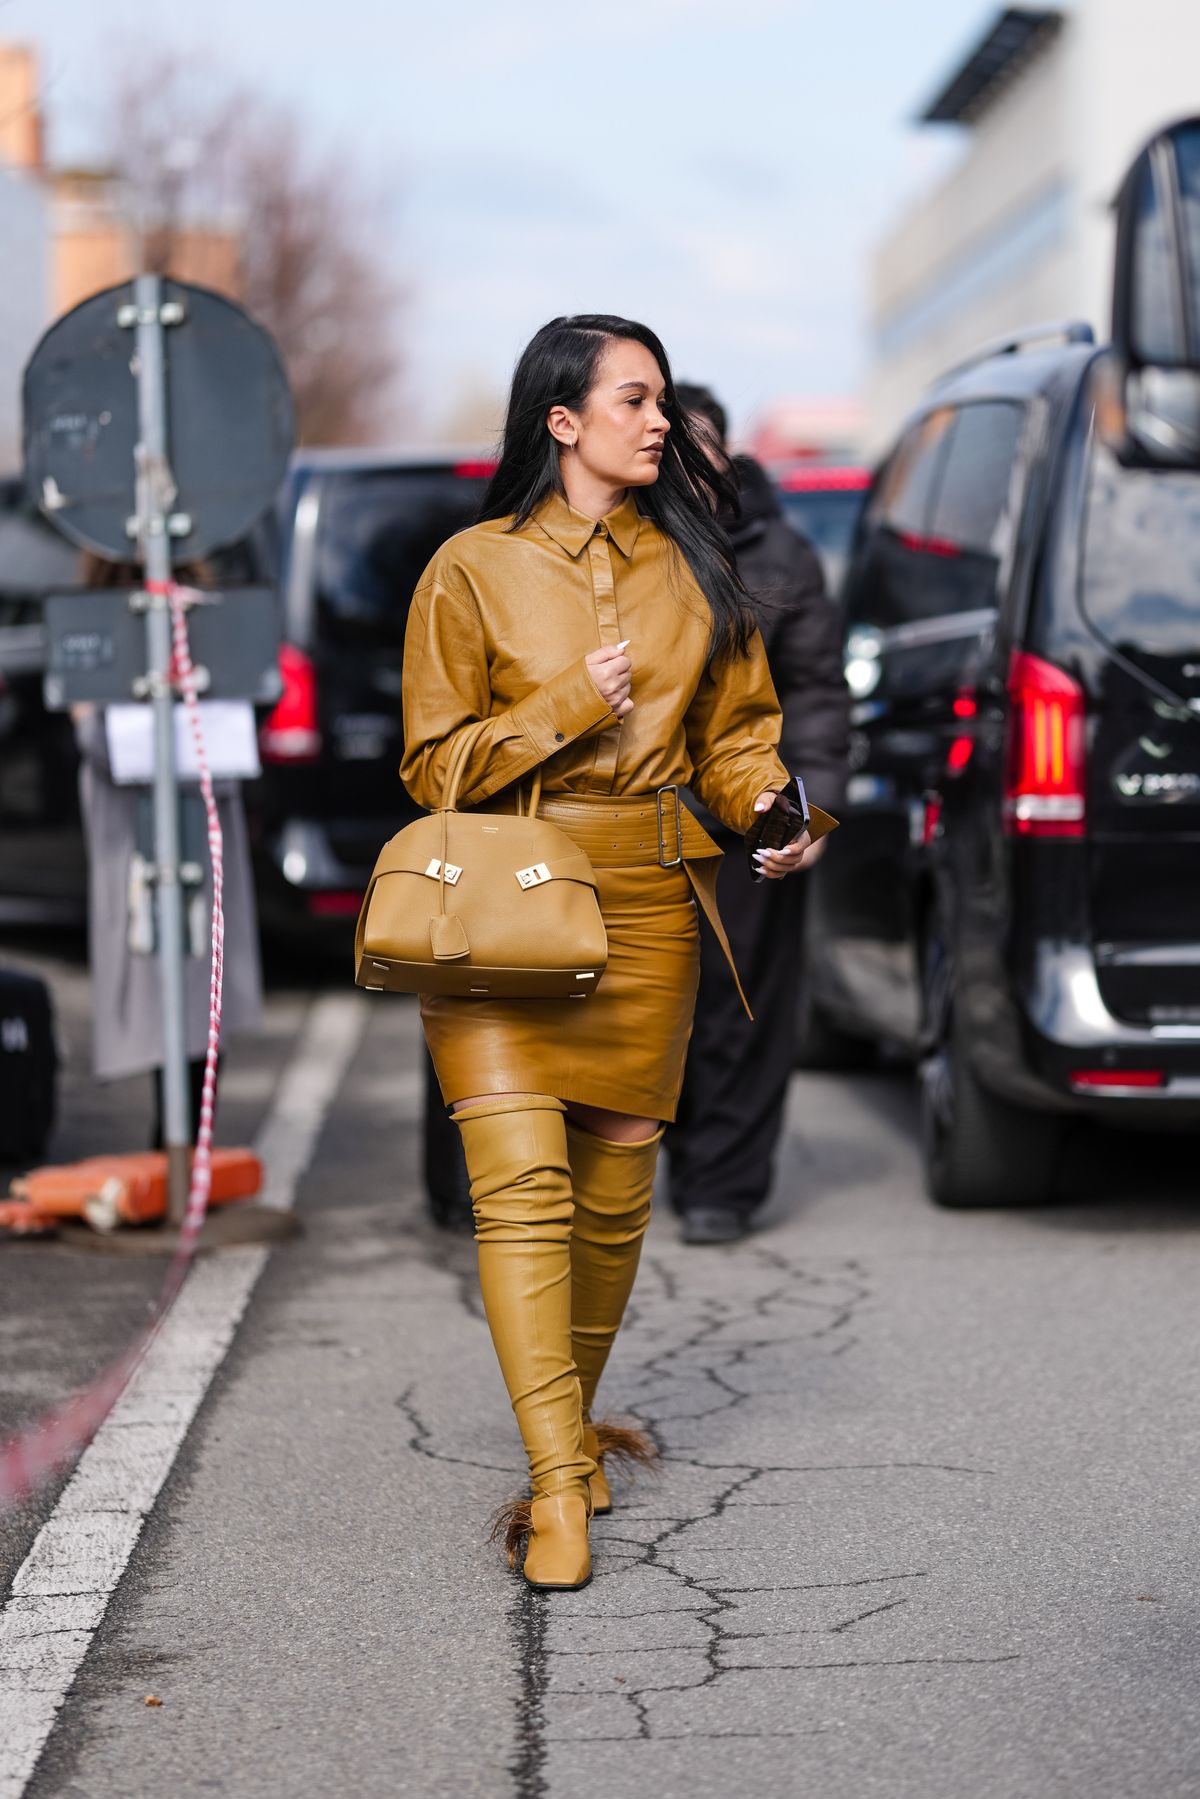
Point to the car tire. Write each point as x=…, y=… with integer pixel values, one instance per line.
x=977, y=1149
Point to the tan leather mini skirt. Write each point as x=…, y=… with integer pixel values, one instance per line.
x=624, y=1047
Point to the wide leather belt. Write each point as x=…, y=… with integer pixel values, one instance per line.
x=632, y=831
x=641, y=831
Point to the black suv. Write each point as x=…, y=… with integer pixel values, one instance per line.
x=357, y=531
x=1015, y=892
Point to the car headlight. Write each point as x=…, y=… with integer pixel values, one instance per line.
x=863, y=666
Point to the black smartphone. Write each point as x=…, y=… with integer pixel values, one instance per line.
x=785, y=820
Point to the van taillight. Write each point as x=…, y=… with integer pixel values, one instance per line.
x=1044, y=788
x=291, y=734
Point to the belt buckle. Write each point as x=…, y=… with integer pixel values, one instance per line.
x=677, y=858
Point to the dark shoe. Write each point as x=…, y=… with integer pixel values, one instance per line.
x=713, y=1224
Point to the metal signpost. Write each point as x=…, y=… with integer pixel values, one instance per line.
x=155, y=493
x=182, y=459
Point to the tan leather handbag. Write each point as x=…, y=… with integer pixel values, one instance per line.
x=481, y=903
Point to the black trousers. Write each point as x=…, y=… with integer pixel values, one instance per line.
x=721, y=1149
x=195, y=1092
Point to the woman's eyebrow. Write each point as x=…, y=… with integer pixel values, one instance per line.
x=643, y=385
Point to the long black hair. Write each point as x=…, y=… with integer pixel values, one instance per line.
x=558, y=368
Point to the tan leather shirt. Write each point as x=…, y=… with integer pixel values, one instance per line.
x=500, y=626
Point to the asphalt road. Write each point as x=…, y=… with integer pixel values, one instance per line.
x=925, y=1523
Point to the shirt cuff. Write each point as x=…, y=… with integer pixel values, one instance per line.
x=561, y=710
x=768, y=778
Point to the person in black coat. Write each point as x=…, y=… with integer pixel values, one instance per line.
x=721, y=1150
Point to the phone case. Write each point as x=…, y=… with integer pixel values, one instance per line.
x=769, y=832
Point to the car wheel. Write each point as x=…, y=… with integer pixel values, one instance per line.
x=978, y=1150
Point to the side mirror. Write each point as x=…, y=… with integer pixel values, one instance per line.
x=1156, y=301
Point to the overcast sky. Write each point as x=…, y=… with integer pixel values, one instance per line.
x=718, y=168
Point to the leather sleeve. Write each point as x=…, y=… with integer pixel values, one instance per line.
x=733, y=727
x=446, y=687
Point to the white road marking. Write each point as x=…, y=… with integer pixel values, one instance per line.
x=63, y=1587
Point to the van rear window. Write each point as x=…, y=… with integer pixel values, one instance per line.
x=376, y=532
x=1141, y=557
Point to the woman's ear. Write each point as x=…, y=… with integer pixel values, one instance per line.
x=563, y=426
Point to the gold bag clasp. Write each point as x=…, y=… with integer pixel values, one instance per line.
x=434, y=871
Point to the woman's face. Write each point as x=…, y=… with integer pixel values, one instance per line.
x=619, y=434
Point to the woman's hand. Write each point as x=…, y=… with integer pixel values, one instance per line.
x=774, y=865
x=612, y=676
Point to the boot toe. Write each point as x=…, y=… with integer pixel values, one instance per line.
x=558, y=1555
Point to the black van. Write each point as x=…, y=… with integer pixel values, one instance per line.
x=1015, y=893
x=357, y=531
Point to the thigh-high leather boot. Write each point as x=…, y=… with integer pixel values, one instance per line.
x=613, y=1183
x=516, y=1152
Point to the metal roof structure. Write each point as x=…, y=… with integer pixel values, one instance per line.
x=1018, y=34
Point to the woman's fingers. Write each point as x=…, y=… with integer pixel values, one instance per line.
x=612, y=675
x=774, y=865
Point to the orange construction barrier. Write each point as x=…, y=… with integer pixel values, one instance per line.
x=108, y=1191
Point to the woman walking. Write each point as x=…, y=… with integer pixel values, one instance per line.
x=595, y=620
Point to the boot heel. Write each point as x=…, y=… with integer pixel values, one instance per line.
x=628, y=1447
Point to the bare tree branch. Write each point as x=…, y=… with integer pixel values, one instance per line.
x=197, y=155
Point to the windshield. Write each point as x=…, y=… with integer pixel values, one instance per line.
x=1141, y=563
x=377, y=532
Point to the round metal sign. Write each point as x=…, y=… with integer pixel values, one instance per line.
x=230, y=424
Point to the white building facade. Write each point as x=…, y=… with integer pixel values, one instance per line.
x=1056, y=103
x=25, y=257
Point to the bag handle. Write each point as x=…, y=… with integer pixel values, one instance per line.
x=535, y=795
x=454, y=774
x=457, y=767
x=468, y=738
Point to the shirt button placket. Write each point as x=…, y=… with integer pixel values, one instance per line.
x=604, y=596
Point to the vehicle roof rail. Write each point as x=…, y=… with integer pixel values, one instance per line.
x=1067, y=331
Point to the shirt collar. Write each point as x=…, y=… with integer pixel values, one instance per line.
x=573, y=529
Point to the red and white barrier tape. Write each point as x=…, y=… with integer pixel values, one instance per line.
x=33, y=1455
x=201, y=1184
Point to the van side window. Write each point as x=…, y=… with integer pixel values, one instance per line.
x=907, y=486
x=971, y=509
x=939, y=519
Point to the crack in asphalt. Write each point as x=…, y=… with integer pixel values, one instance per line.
x=704, y=1356
x=529, y=1618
